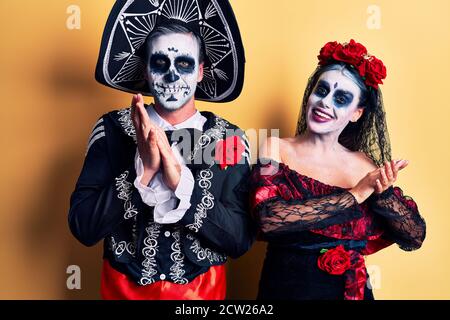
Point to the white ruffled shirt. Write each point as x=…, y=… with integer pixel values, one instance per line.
x=157, y=194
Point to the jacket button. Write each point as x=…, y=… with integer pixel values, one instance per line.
x=162, y=276
x=167, y=234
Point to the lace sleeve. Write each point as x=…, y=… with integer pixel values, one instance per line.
x=404, y=223
x=279, y=216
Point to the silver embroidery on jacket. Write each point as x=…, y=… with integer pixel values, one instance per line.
x=127, y=123
x=176, y=270
x=215, y=132
x=207, y=202
x=124, y=189
x=119, y=248
x=205, y=253
x=149, y=252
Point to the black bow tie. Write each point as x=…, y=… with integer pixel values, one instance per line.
x=185, y=140
x=179, y=135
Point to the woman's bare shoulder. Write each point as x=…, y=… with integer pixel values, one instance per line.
x=363, y=161
x=276, y=148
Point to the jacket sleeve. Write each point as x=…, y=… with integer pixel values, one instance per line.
x=404, y=224
x=222, y=221
x=101, y=200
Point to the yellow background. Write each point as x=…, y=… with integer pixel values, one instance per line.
x=50, y=101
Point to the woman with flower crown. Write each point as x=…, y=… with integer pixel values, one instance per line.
x=326, y=198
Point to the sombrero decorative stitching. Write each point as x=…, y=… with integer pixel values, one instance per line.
x=121, y=62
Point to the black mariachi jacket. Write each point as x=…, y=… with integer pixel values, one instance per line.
x=106, y=205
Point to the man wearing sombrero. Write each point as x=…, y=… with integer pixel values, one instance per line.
x=163, y=184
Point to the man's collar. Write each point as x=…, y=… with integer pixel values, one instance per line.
x=195, y=121
x=210, y=126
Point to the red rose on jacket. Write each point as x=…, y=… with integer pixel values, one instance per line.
x=229, y=152
x=335, y=261
x=375, y=72
x=352, y=53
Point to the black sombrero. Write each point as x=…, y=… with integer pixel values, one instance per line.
x=121, y=64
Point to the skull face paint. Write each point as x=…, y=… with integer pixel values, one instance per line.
x=333, y=103
x=173, y=69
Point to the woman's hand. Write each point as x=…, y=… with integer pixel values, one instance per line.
x=378, y=180
x=146, y=138
x=388, y=174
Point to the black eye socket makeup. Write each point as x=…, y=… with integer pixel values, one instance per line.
x=322, y=89
x=185, y=64
x=342, y=98
x=159, y=63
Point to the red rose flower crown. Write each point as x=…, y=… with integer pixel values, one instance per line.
x=371, y=69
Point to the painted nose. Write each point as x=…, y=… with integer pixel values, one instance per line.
x=171, y=77
x=326, y=103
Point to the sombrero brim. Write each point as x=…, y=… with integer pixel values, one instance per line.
x=121, y=64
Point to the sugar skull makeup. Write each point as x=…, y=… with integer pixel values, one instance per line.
x=173, y=69
x=333, y=103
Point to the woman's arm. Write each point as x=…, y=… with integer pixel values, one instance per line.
x=404, y=223
x=278, y=212
x=279, y=216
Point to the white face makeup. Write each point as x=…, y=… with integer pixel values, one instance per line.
x=333, y=103
x=173, y=69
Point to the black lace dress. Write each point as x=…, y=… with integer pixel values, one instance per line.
x=318, y=234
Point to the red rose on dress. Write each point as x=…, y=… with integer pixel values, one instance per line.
x=352, y=53
x=228, y=152
x=375, y=72
x=335, y=261
x=327, y=51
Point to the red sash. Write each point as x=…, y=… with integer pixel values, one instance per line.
x=210, y=285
